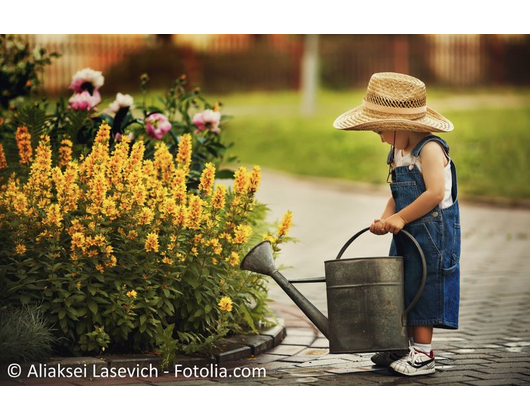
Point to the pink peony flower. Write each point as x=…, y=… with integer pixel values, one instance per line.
x=84, y=100
x=122, y=101
x=207, y=120
x=87, y=79
x=156, y=125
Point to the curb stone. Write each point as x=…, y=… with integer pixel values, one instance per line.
x=232, y=349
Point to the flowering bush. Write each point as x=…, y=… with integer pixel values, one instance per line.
x=117, y=250
x=77, y=120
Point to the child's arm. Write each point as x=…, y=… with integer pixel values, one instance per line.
x=433, y=162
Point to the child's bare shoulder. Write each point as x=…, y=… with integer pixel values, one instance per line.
x=433, y=151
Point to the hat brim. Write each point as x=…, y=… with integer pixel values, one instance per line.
x=358, y=119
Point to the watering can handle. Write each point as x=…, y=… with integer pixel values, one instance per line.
x=423, y=263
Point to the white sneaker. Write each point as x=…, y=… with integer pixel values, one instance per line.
x=385, y=358
x=415, y=363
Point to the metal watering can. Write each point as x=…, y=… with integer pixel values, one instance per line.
x=365, y=297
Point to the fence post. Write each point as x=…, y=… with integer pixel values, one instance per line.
x=310, y=74
x=401, y=54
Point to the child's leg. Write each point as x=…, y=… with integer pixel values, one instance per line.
x=423, y=338
x=422, y=334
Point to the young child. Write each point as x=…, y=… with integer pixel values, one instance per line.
x=424, y=201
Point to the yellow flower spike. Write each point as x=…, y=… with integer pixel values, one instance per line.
x=164, y=163
x=65, y=152
x=184, y=153
x=225, y=304
x=25, y=151
x=285, y=224
x=97, y=191
x=137, y=156
x=241, y=180
x=255, y=178
x=219, y=197
x=3, y=160
x=54, y=216
x=195, y=212
x=151, y=244
x=39, y=182
x=207, y=179
x=181, y=216
x=103, y=134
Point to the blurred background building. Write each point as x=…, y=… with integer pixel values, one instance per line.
x=228, y=63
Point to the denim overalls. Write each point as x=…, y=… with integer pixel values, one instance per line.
x=438, y=233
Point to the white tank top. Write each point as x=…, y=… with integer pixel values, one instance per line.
x=408, y=160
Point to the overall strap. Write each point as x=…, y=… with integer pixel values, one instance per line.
x=418, y=148
x=390, y=157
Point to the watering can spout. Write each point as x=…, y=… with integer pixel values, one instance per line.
x=260, y=260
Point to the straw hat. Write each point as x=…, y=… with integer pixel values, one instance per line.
x=394, y=101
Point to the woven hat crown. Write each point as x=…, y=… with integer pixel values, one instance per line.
x=395, y=90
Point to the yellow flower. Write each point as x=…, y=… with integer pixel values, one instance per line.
x=20, y=249
x=54, y=216
x=219, y=198
x=241, y=180
x=285, y=224
x=3, y=160
x=269, y=237
x=25, y=150
x=78, y=284
x=233, y=259
x=100, y=268
x=167, y=261
x=151, y=244
x=242, y=233
x=78, y=240
x=132, y=294
x=65, y=152
x=225, y=304
x=207, y=179
x=184, y=153
x=181, y=216
x=255, y=178
x=146, y=216
x=216, y=246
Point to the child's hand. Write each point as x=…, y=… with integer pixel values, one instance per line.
x=378, y=227
x=394, y=223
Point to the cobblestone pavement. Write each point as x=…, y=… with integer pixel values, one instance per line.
x=492, y=345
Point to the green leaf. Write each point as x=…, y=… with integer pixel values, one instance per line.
x=80, y=327
x=62, y=313
x=93, y=307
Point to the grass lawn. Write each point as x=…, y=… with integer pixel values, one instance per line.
x=490, y=144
